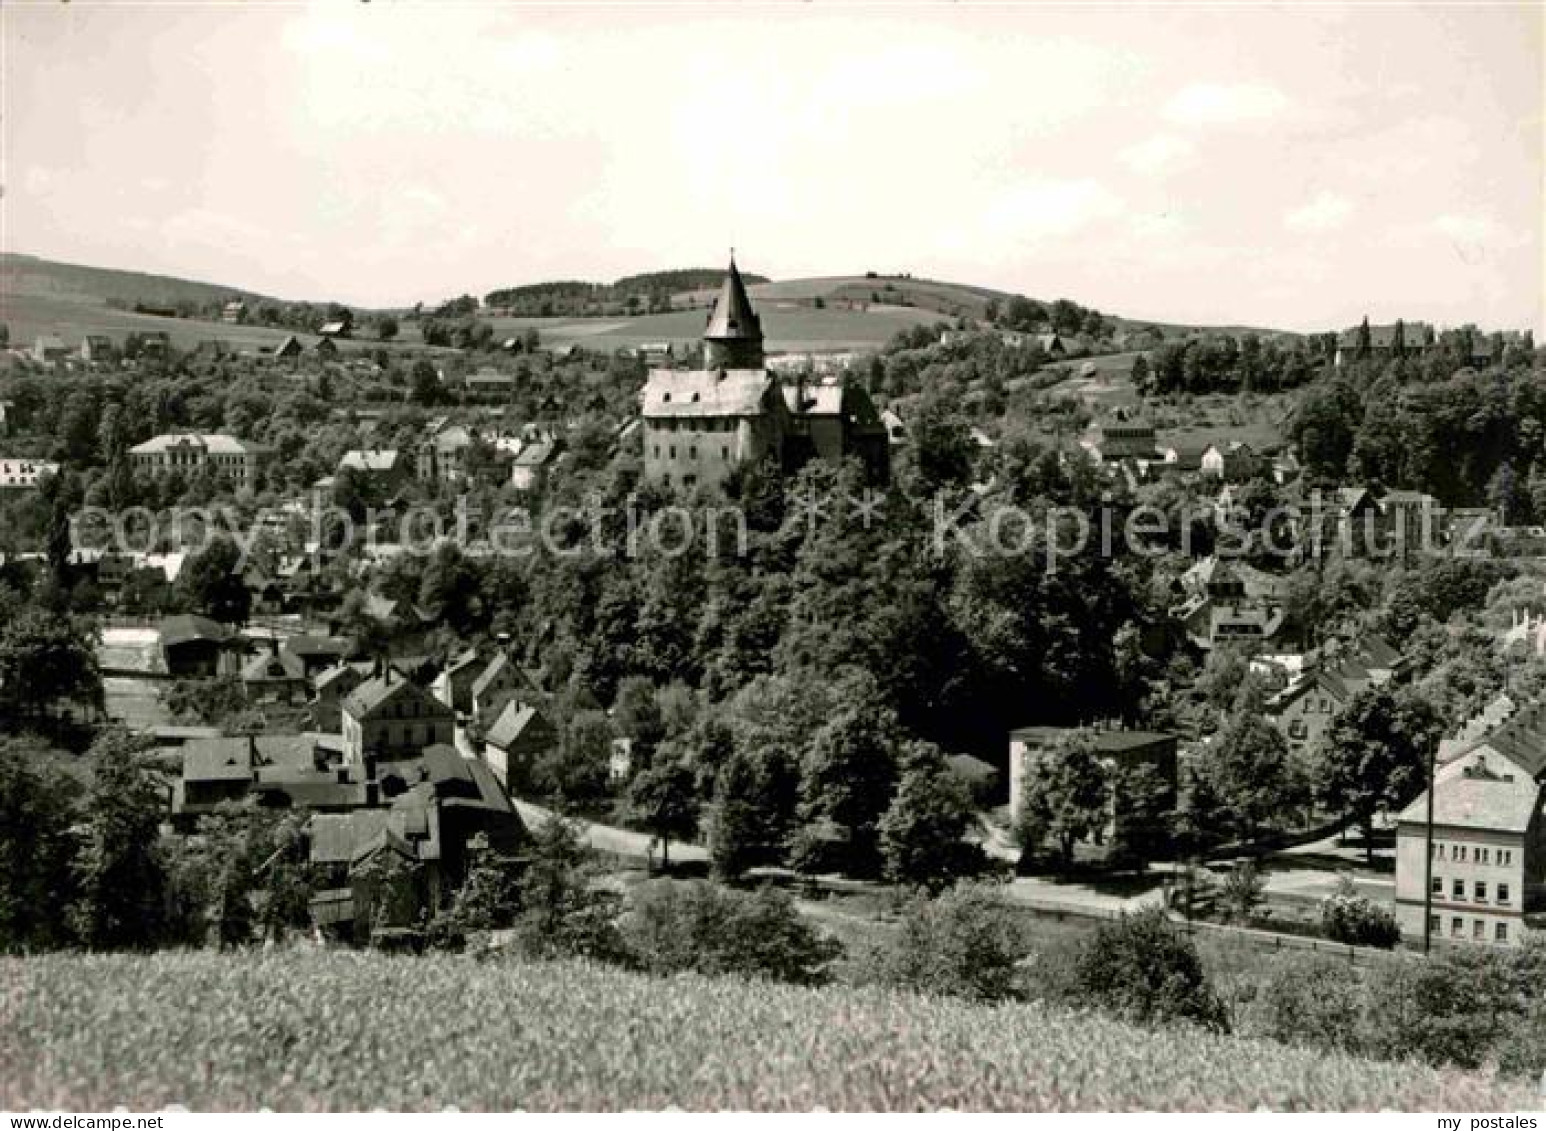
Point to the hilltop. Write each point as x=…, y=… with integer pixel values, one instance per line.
x=836, y=312
x=307, y=1029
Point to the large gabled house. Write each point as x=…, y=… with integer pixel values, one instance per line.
x=701, y=425
x=1487, y=862
x=390, y=716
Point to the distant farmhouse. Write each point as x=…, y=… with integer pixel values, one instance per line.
x=700, y=425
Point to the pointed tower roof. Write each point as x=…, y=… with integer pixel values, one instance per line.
x=733, y=318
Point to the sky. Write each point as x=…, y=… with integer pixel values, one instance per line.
x=1288, y=167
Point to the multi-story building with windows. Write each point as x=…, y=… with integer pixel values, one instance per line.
x=700, y=425
x=190, y=453
x=1488, y=874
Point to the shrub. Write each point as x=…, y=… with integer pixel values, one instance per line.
x=1311, y=1000
x=1355, y=920
x=674, y=926
x=1143, y=969
x=966, y=943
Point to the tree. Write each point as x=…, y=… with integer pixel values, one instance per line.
x=942, y=444
x=1374, y=756
x=1144, y=806
x=663, y=799
x=1242, y=890
x=1145, y=970
x=846, y=782
x=921, y=833
x=967, y=943
x=45, y=659
x=425, y=386
x=211, y=583
x=736, y=822
x=386, y=327
x=38, y=807
x=120, y=874
x=1252, y=776
x=1064, y=796
x=561, y=914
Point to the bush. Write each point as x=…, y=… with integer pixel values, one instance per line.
x=1143, y=969
x=966, y=943
x=1353, y=919
x=676, y=926
x=1311, y=1000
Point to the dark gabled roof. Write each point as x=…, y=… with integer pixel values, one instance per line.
x=733, y=318
x=369, y=696
x=495, y=668
x=185, y=627
x=271, y=667
x=513, y=721
x=306, y=645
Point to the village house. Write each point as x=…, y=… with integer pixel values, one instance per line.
x=384, y=468
x=234, y=313
x=340, y=327
x=195, y=647
x=274, y=676
x=390, y=716
x=1231, y=602
x=1385, y=342
x=1304, y=710
x=1117, y=440
x=453, y=686
x=98, y=348
x=188, y=454
x=50, y=349
x=23, y=474
x=290, y=349
x=431, y=810
x=329, y=690
x=529, y=470
x=520, y=735
x=1488, y=856
x=443, y=457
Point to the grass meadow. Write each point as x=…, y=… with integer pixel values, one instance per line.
x=305, y=1028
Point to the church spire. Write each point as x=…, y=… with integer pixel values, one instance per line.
x=733, y=338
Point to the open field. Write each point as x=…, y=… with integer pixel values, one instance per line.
x=788, y=327
x=306, y=1029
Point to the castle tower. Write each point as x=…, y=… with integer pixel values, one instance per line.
x=733, y=338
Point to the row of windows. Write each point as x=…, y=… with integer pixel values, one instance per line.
x=1478, y=928
x=696, y=424
x=1476, y=854
x=1478, y=888
x=692, y=451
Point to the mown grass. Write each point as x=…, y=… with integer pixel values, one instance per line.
x=309, y=1029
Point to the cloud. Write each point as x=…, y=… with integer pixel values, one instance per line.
x=1219, y=104
x=1324, y=212
x=1158, y=153
x=1050, y=208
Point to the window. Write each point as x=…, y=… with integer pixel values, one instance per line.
x=724, y=451
x=1456, y=927
x=1478, y=930
x=1505, y=856
x=673, y=451
x=1501, y=932
x=657, y=451
x=1481, y=891
x=1436, y=852
x=1435, y=925
x=1481, y=855
x=1457, y=890
x=1502, y=893
x=1297, y=729
x=692, y=452
x=1460, y=853
x=1438, y=886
